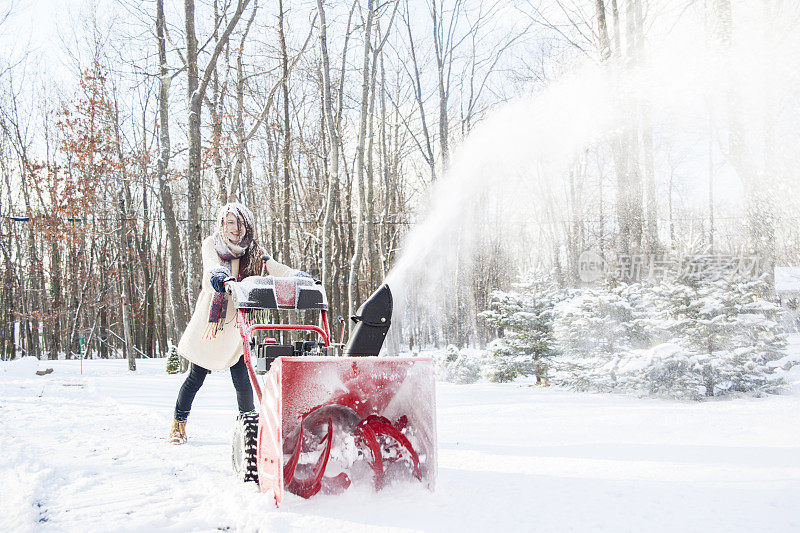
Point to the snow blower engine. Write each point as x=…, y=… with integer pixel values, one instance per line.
x=329, y=416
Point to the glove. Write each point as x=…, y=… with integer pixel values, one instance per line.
x=218, y=278
x=301, y=274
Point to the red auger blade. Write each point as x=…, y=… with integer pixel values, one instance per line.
x=345, y=404
x=311, y=485
x=381, y=426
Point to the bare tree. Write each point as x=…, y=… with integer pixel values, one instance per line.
x=355, y=262
x=372, y=242
x=175, y=263
x=334, y=141
x=445, y=24
x=286, y=151
x=196, y=88
x=426, y=144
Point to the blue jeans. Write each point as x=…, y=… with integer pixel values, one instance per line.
x=197, y=374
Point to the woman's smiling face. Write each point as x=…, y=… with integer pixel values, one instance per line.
x=233, y=228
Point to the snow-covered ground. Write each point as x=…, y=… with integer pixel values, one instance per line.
x=88, y=452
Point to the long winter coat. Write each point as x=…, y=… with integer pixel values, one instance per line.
x=223, y=350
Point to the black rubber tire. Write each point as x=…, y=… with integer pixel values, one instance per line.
x=244, y=449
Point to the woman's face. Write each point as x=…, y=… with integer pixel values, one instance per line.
x=233, y=228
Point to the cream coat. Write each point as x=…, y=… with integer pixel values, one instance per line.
x=223, y=350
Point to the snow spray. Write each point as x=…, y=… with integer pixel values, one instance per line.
x=504, y=202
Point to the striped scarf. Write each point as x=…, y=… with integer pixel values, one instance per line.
x=227, y=252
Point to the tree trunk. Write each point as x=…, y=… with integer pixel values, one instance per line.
x=427, y=149
x=124, y=271
x=286, y=149
x=35, y=272
x=634, y=194
x=355, y=262
x=371, y=241
x=602, y=31
x=333, y=152
x=758, y=203
x=175, y=264
x=385, y=159
x=55, y=298
x=651, y=202
x=439, y=43
x=240, y=142
x=216, y=110
x=241, y=138
x=193, y=177
x=648, y=167
x=145, y=259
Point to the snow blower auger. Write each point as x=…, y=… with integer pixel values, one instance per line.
x=326, y=421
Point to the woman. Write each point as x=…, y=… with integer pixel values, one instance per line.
x=211, y=341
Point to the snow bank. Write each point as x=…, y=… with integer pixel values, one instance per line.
x=25, y=367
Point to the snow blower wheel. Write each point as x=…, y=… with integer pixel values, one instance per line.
x=245, y=456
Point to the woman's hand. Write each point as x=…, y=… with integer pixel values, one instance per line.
x=218, y=278
x=301, y=274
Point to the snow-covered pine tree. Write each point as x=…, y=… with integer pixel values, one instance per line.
x=594, y=328
x=458, y=366
x=524, y=319
x=173, y=360
x=729, y=331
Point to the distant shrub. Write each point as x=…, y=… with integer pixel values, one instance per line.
x=456, y=366
x=173, y=360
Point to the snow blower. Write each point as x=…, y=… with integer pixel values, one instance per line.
x=330, y=416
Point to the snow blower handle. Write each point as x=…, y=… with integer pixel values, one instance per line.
x=227, y=284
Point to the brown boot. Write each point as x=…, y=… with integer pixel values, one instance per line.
x=177, y=435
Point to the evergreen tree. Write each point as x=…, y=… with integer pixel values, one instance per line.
x=456, y=366
x=524, y=320
x=698, y=332
x=728, y=329
x=173, y=360
x=595, y=328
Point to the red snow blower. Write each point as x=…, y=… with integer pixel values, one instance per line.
x=326, y=421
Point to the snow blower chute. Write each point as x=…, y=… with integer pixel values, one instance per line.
x=326, y=421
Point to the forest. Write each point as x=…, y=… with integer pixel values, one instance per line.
x=343, y=124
